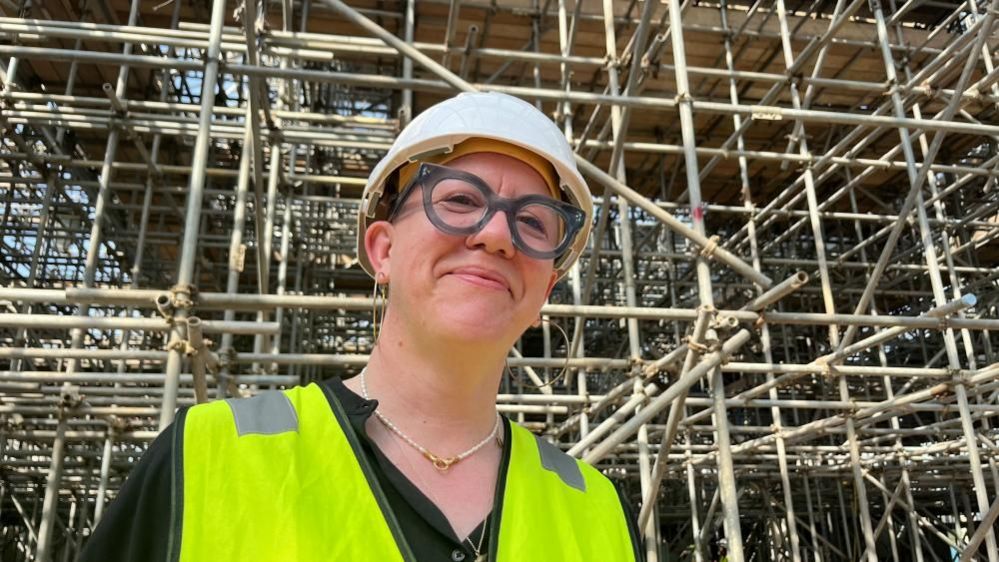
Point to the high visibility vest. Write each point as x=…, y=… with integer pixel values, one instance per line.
x=279, y=477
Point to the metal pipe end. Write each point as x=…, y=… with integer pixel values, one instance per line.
x=800, y=278
x=108, y=87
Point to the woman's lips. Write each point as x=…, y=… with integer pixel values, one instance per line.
x=482, y=278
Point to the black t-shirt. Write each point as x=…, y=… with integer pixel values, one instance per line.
x=135, y=527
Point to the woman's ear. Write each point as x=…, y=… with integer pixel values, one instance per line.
x=551, y=285
x=378, y=245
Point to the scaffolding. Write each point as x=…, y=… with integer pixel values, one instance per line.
x=782, y=334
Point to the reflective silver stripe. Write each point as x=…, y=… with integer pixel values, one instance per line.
x=267, y=413
x=560, y=463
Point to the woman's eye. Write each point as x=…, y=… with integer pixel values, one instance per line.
x=459, y=202
x=461, y=199
x=533, y=223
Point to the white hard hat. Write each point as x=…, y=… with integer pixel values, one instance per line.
x=470, y=115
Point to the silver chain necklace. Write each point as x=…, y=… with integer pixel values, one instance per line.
x=442, y=464
x=479, y=557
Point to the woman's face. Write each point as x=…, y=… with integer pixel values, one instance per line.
x=475, y=288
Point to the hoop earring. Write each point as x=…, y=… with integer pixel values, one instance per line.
x=565, y=366
x=378, y=289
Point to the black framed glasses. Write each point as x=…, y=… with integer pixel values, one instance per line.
x=460, y=204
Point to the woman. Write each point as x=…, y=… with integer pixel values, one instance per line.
x=469, y=220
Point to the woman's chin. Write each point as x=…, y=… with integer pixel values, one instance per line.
x=477, y=326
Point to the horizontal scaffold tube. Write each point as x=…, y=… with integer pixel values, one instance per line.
x=218, y=301
x=773, y=113
x=33, y=321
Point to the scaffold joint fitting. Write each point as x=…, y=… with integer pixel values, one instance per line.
x=924, y=88
x=227, y=358
x=854, y=407
x=710, y=247
x=759, y=322
x=697, y=347
x=70, y=396
x=828, y=369
x=646, y=62
x=183, y=296
x=684, y=97
x=176, y=345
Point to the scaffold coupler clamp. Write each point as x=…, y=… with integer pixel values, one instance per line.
x=176, y=344
x=724, y=322
x=697, y=347
x=716, y=345
x=13, y=419
x=116, y=425
x=796, y=135
x=760, y=321
x=275, y=135
x=828, y=369
x=648, y=370
x=944, y=323
x=635, y=367
x=646, y=63
x=932, y=92
x=70, y=396
x=710, y=247
x=892, y=88
x=164, y=305
x=853, y=409
x=183, y=296
x=227, y=358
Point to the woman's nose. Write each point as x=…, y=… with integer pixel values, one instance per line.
x=495, y=236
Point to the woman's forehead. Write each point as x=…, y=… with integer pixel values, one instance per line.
x=504, y=174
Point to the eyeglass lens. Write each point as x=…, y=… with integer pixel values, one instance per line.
x=462, y=205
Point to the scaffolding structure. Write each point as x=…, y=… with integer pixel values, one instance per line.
x=782, y=337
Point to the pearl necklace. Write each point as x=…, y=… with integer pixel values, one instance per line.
x=442, y=464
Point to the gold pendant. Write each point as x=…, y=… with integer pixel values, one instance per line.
x=442, y=464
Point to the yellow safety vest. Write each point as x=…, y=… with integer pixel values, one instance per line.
x=279, y=477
